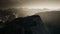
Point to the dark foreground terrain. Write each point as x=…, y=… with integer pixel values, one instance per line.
x=29, y=25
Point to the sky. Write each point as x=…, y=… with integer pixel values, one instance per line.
x=51, y=4
x=32, y=4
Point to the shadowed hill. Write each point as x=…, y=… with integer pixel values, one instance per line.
x=27, y=25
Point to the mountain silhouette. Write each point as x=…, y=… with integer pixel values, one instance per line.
x=26, y=25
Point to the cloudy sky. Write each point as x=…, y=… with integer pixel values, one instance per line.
x=51, y=4
x=32, y=4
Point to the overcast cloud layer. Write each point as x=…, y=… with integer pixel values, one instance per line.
x=30, y=3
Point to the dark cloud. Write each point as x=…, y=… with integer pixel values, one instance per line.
x=9, y=3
